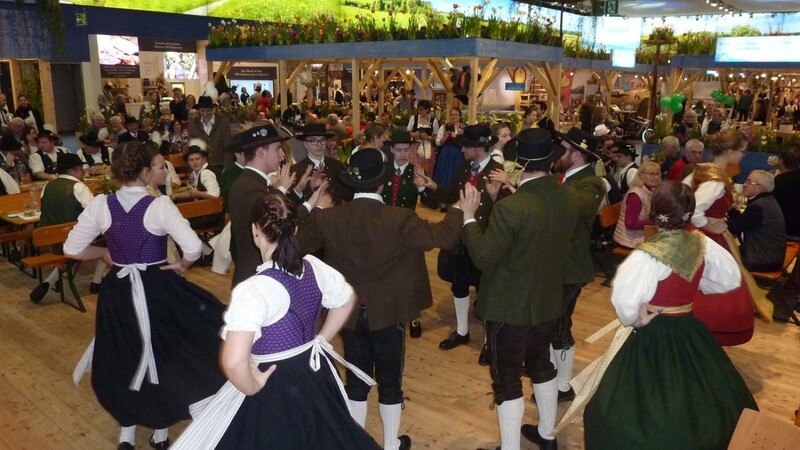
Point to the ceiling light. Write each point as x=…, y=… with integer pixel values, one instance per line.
x=713, y=4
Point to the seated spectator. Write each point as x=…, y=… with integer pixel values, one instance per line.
x=692, y=154
x=635, y=211
x=201, y=182
x=685, y=130
x=714, y=125
x=626, y=168
x=787, y=191
x=95, y=155
x=760, y=228
x=133, y=132
x=43, y=161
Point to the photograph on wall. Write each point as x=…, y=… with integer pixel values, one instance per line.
x=180, y=66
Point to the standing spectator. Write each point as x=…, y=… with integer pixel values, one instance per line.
x=687, y=128
x=626, y=168
x=450, y=156
x=5, y=115
x=264, y=103
x=133, y=132
x=244, y=96
x=119, y=107
x=177, y=106
x=215, y=130
x=543, y=120
x=98, y=123
x=744, y=105
x=31, y=115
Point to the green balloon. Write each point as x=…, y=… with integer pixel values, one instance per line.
x=680, y=97
x=729, y=100
x=665, y=102
x=676, y=105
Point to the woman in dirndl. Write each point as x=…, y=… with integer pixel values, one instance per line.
x=670, y=385
x=729, y=316
x=283, y=391
x=156, y=333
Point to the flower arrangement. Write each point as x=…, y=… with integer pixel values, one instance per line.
x=661, y=35
x=700, y=43
x=767, y=141
x=480, y=22
x=575, y=49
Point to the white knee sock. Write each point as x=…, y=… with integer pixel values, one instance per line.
x=509, y=415
x=359, y=412
x=462, y=314
x=99, y=271
x=160, y=435
x=552, y=356
x=127, y=434
x=52, y=278
x=390, y=416
x=564, y=360
x=547, y=402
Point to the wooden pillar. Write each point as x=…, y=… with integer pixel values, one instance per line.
x=472, y=108
x=355, y=115
x=16, y=80
x=381, y=89
x=48, y=99
x=282, y=85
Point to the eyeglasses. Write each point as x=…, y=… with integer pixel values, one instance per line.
x=751, y=182
x=316, y=141
x=652, y=174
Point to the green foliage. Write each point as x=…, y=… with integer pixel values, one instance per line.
x=745, y=30
x=171, y=6
x=573, y=48
x=700, y=43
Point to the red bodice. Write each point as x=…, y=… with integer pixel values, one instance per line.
x=719, y=209
x=676, y=291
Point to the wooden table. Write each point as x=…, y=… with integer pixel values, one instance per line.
x=21, y=219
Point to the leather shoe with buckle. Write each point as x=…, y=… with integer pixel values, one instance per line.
x=405, y=442
x=38, y=293
x=125, y=446
x=454, y=340
x=563, y=396
x=163, y=445
x=484, y=358
x=531, y=433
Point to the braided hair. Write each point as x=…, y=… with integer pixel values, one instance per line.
x=275, y=217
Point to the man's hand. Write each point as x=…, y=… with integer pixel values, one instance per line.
x=468, y=201
x=317, y=177
x=303, y=181
x=422, y=180
x=285, y=177
x=321, y=198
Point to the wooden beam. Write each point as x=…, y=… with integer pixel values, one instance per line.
x=282, y=84
x=448, y=86
x=16, y=81
x=223, y=69
x=296, y=72
x=486, y=73
x=48, y=98
x=472, y=108
x=369, y=75
x=355, y=114
x=381, y=90
x=487, y=80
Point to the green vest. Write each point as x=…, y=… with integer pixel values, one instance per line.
x=229, y=175
x=59, y=204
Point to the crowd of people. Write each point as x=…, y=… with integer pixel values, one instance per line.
x=308, y=231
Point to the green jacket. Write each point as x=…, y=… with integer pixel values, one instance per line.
x=522, y=253
x=587, y=191
x=229, y=175
x=59, y=204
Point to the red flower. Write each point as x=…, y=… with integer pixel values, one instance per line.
x=455, y=6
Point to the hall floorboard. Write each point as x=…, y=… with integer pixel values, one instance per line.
x=448, y=393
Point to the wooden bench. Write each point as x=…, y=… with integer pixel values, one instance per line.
x=785, y=300
x=649, y=231
x=48, y=236
x=200, y=208
x=10, y=234
x=791, y=253
x=607, y=219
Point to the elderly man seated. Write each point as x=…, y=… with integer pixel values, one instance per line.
x=692, y=154
x=760, y=227
x=671, y=149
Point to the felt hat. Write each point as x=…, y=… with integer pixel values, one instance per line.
x=601, y=130
x=625, y=148
x=535, y=146
x=581, y=141
x=130, y=120
x=400, y=137
x=259, y=136
x=205, y=102
x=91, y=139
x=196, y=146
x=67, y=161
x=366, y=170
x=476, y=136
x=8, y=143
x=314, y=129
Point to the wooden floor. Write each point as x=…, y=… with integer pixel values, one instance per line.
x=448, y=393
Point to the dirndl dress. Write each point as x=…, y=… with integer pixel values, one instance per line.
x=729, y=316
x=670, y=386
x=302, y=406
x=150, y=382
x=448, y=161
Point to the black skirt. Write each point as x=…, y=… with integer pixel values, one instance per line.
x=297, y=409
x=184, y=320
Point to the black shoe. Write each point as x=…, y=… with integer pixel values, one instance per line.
x=14, y=256
x=454, y=340
x=58, y=286
x=125, y=446
x=163, y=445
x=415, y=329
x=484, y=357
x=38, y=293
x=567, y=396
x=531, y=433
x=94, y=288
x=405, y=442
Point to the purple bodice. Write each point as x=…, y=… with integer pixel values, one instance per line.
x=299, y=325
x=128, y=240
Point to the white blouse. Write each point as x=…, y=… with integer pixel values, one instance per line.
x=209, y=180
x=162, y=217
x=705, y=196
x=637, y=279
x=260, y=301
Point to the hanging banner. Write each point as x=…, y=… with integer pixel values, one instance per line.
x=167, y=45
x=253, y=73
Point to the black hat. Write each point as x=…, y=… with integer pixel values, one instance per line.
x=476, y=136
x=67, y=161
x=205, y=102
x=196, y=146
x=90, y=139
x=625, y=149
x=260, y=135
x=535, y=146
x=235, y=145
x=366, y=170
x=46, y=134
x=400, y=137
x=130, y=119
x=314, y=129
x=9, y=143
x=581, y=141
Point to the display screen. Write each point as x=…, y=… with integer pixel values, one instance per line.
x=623, y=58
x=180, y=66
x=119, y=56
x=758, y=49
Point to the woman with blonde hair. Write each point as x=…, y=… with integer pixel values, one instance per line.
x=729, y=316
x=635, y=211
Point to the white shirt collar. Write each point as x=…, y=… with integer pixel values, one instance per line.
x=482, y=164
x=237, y=163
x=263, y=175
x=210, y=121
x=402, y=168
x=370, y=195
x=68, y=177
x=530, y=179
x=573, y=171
x=317, y=162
